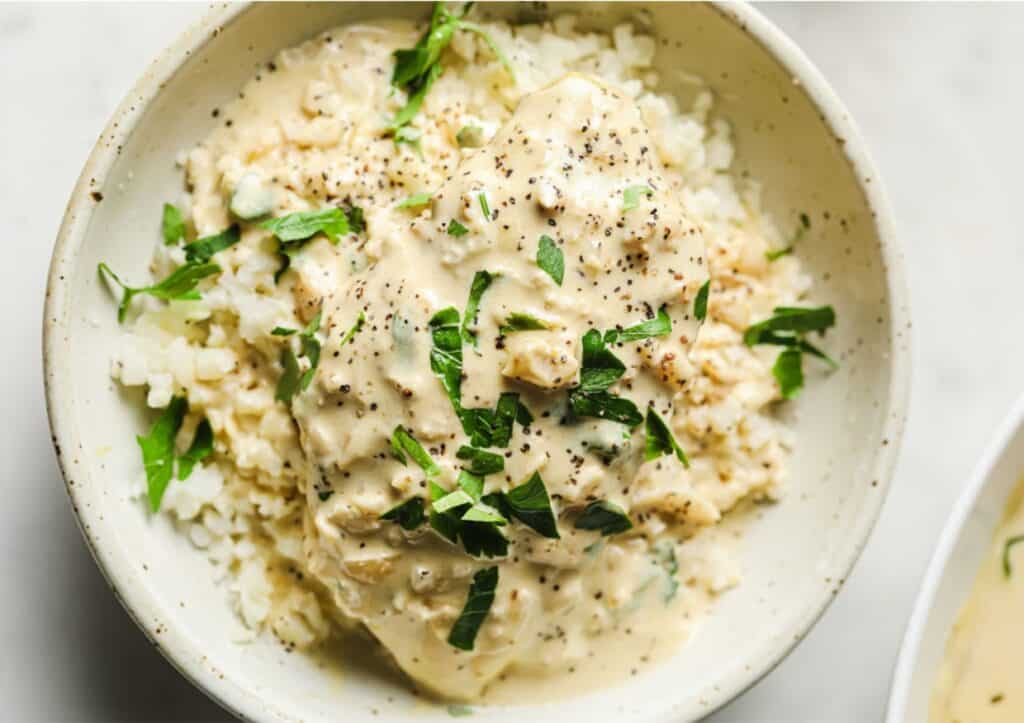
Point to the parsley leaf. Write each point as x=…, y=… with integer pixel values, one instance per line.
x=660, y=440
x=282, y=331
x=181, y=284
x=787, y=328
x=700, y=304
x=493, y=427
x=529, y=503
x=604, y=516
x=478, y=605
x=417, y=200
x=172, y=224
x=456, y=229
x=293, y=379
x=791, y=319
x=788, y=372
x=158, y=450
x=203, y=250
x=303, y=225
x=360, y=321
x=402, y=443
x=445, y=524
x=484, y=206
x=481, y=282
x=518, y=321
x=631, y=196
x=600, y=367
x=550, y=259
x=1007, y=567
x=408, y=514
x=660, y=325
x=481, y=462
x=200, y=449
x=604, y=405
x=446, y=352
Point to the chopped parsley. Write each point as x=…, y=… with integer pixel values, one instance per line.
x=304, y=225
x=530, y=504
x=484, y=206
x=456, y=229
x=605, y=517
x=282, y=331
x=600, y=369
x=550, y=259
x=418, y=67
x=482, y=280
x=180, y=285
x=787, y=328
x=805, y=224
x=158, y=450
x=417, y=200
x=518, y=321
x=446, y=352
x=200, y=449
x=481, y=462
x=172, y=224
x=631, y=196
x=203, y=250
x=355, y=329
x=1007, y=568
x=660, y=325
x=408, y=514
x=700, y=304
x=660, y=440
x=293, y=379
x=403, y=443
x=478, y=605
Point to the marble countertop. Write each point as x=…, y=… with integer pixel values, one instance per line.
x=935, y=89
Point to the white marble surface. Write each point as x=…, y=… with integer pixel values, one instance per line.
x=936, y=90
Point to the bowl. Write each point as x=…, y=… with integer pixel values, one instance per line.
x=964, y=543
x=790, y=131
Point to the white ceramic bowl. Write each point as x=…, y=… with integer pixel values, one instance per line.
x=965, y=541
x=791, y=131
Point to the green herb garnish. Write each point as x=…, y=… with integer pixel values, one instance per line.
x=518, y=321
x=660, y=325
x=456, y=229
x=203, y=250
x=631, y=196
x=282, y=331
x=481, y=462
x=550, y=259
x=604, y=516
x=158, y=450
x=530, y=504
x=180, y=285
x=600, y=367
x=303, y=225
x=403, y=443
x=478, y=604
x=1007, y=568
x=417, y=200
x=665, y=557
x=200, y=449
x=482, y=280
x=787, y=328
x=660, y=440
x=605, y=405
x=418, y=67
x=446, y=352
x=293, y=379
x=700, y=304
x=408, y=514
x=360, y=320
x=484, y=206
x=172, y=224
x=457, y=710
x=805, y=224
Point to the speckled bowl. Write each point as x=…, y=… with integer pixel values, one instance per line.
x=791, y=131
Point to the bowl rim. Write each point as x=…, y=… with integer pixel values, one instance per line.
x=910, y=648
x=134, y=596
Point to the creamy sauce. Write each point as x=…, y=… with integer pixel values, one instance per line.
x=292, y=505
x=980, y=677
